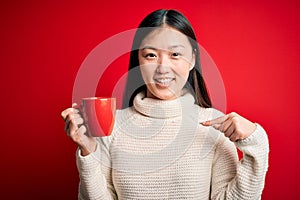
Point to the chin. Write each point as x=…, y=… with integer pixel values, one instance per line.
x=167, y=93
x=167, y=97
x=163, y=95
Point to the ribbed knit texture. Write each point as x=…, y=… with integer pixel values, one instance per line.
x=159, y=150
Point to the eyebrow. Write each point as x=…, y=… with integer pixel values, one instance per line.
x=154, y=48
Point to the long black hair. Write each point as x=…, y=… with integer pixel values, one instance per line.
x=174, y=19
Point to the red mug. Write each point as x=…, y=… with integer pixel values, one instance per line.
x=99, y=115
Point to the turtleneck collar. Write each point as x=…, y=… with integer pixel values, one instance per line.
x=157, y=108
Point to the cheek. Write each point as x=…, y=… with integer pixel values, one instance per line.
x=182, y=70
x=147, y=72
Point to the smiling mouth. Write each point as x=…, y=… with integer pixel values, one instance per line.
x=164, y=82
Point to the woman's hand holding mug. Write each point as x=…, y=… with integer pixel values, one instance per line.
x=93, y=118
x=76, y=130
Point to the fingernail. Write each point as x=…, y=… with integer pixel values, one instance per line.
x=205, y=123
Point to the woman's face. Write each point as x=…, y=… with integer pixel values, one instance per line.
x=165, y=57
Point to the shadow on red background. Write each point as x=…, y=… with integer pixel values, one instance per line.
x=43, y=43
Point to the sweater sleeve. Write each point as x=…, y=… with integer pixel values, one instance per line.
x=244, y=179
x=95, y=174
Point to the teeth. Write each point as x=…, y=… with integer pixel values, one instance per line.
x=164, y=80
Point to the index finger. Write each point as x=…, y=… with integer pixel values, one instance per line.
x=218, y=120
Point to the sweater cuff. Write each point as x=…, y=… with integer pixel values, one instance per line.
x=86, y=164
x=258, y=136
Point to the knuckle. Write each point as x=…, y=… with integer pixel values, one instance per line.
x=235, y=120
x=238, y=130
x=64, y=113
x=72, y=119
x=233, y=114
x=81, y=121
x=82, y=130
x=76, y=115
x=75, y=110
x=78, y=121
x=68, y=110
x=72, y=133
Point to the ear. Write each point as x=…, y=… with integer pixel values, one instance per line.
x=192, y=64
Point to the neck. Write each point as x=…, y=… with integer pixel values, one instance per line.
x=158, y=108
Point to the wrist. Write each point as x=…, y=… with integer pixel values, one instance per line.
x=84, y=151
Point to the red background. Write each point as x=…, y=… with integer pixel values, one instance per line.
x=256, y=46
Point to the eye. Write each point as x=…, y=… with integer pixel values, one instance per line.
x=176, y=54
x=150, y=55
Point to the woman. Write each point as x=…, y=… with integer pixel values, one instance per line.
x=169, y=143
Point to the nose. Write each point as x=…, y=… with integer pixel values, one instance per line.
x=163, y=65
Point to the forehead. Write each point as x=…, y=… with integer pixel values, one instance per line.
x=164, y=38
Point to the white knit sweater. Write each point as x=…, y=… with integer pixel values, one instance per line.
x=159, y=150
